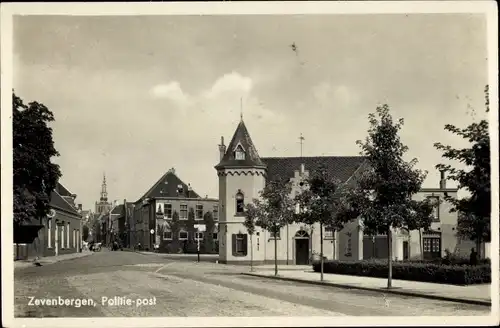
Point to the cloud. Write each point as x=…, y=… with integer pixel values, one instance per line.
x=229, y=83
x=171, y=91
x=327, y=94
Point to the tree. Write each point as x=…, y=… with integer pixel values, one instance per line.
x=175, y=228
x=382, y=196
x=319, y=203
x=251, y=216
x=474, y=210
x=85, y=232
x=275, y=210
x=208, y=220
x=35, y=176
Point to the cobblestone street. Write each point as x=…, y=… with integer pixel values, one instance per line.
x=183, y=288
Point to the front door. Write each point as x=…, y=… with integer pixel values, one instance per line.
x=301, y=251
x=432, y=248
x=406, y=250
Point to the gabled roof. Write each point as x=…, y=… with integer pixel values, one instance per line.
x=62, y=191
x=167, y=186
x=339, y=167
x=118, y=210
x=58, y=202
x=241, y=137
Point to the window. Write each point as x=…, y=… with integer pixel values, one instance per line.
x=198, y=236
x=67, y=235
x=167, y=235
x=432, y=247
x=216, y=212
x=49, y=233
x=62, y=235
x=183, y=235
x=239, y=154
x=215, y=236
x=435, y=213
x=278, y=234
x=168, y=211
x=199, y=212
x=159, y=210
x=74, y=238
x=240, y=203
x=184, y=212
x=239, y=244
x=329, y=233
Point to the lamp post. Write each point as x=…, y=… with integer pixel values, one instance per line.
x=199, y=228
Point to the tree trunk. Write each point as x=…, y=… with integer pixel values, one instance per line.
x=389, y=262
x=251, y=253
x=334, y=245
x=275, y=255
x=420, y=243
x=321, y=248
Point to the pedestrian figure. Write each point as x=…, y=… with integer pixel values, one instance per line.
x=473, y=257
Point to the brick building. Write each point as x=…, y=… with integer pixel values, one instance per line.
x=170, y=209
x=242, y=175
x=59, y=233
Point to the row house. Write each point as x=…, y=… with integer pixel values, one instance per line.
x=168, y=215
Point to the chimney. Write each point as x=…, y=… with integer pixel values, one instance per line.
x=222, y=148
x=189, y=190
x=442, y=182
x=79, y=207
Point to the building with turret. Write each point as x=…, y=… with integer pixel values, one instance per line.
x=242, y=174
x=103, y=206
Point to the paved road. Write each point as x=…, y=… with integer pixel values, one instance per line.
x=169, y=287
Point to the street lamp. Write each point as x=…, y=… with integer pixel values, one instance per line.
x=199, y=228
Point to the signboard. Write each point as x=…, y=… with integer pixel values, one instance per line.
x=152, y=231
x=200, y=227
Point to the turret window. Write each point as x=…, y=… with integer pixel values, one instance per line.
x=240, y=203
x=239, y=154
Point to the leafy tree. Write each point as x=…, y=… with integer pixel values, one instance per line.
x=319, y=203
x=35, y=176
x=251, y=216
x=275, y=210
x=474, y=210
x=382, y=196
x=209, y=222
x=175, y=228
x=85, y=232
x=190, y=226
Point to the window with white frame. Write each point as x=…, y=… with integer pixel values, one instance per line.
x=240, y=203
x=199, y=212
x=167, y=235
x=329, y=233
x=183, y=235
x=216, y=212
x=49, y=233
x=435, y=210
x=239, y=154
x=198, y=236
x=278, y=234
x=168, y=211
x=184, y=212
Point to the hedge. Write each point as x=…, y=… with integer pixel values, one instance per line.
x=414, y=271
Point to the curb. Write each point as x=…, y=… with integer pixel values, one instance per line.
x=44, y=263
x=397, y=292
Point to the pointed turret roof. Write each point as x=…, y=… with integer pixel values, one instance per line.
x=241, y=138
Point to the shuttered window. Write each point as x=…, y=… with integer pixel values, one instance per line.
x=239, y=244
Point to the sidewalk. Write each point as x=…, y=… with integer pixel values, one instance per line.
x=474, y=294
x=50, y=259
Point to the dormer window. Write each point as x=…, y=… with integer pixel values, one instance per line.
x=239, y=153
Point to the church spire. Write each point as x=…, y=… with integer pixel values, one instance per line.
x=104, y=193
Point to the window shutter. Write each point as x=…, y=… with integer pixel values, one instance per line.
x=245, y=244
x=233, y=244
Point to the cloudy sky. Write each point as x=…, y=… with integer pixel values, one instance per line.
x=134, y=96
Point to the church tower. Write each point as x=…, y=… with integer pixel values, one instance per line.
x=241, y=175
x=103, y=207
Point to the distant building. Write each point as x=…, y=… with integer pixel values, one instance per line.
x=60, y=232
x=154, y=213
x=243, y=174
x=103, y=206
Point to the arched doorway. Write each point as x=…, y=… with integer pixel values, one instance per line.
x=301, y=247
